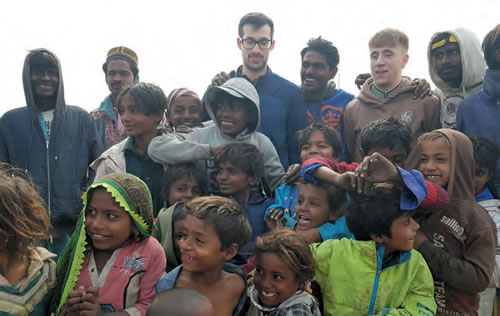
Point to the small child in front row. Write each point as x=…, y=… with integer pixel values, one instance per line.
x=181, y=183
x=284, y=267
x=181, y=302
x=240, y=167
x=315, y=141
x=111, y=263
x=27, y=273
x=485, y=156
x=378, y=273
x=460, y=241
x=214, y=230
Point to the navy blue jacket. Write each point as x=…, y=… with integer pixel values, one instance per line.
x=59, y=165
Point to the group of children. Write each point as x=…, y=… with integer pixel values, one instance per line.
x=211, y=230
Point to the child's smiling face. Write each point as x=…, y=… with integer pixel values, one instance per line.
x=317, y=146
x=107, y=224
x=403, y=232
x=274, y=280
x=435, y=159
x=200, y=246
x=312, y=209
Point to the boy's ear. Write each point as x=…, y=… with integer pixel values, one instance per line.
x=253, y=180
x=376, y=238
x=333, y=215
x=231, y=251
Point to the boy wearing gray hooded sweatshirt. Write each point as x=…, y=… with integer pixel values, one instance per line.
x=234, y=107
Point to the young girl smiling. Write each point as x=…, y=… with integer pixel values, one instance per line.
x=111, y=263
x=284, y=266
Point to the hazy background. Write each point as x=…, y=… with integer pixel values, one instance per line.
x=184, y=43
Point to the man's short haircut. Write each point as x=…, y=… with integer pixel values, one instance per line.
x=373, y=213
x=149, y=98
x=189, y=170
x=225, y=215
x=389, y=37
x=432, y=136
x=486, y=154
x=385, y=133
x=331, y=135
x=178, y=302
x=335, y=195
x=491, y=44
x=257, y=20
x=243, y=156
x=323, y=47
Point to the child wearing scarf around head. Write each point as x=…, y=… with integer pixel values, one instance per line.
x=111, y=263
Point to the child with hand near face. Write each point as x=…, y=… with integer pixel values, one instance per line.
x=459, y=242
x=111, y=263
x=284, y=266
x=315, y=141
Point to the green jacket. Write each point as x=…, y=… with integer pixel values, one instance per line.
x=353, y=281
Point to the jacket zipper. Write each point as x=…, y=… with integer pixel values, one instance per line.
x=374, y=292
x=49, y=190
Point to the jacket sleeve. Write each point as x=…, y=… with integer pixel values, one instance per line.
x=420, y=297
x=96, y=147
x=4, y=152
x=432, y=114
x=472, y=272
x=349, y=135
x=279, y=198
x=172, y=148
x=274, y=171
x=154, y=271
x=322, y=254
x=296, y=121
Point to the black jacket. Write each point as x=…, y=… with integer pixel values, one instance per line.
x=59, y=166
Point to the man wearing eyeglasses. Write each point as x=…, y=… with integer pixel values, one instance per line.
x=281, y=102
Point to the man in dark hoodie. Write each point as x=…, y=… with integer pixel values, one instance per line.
x=479, y=114
x=388, y=94
x=53, y=141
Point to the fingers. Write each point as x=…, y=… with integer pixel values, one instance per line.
x=220, y=79
x=292, y=174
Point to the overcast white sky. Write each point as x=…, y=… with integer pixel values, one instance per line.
x=184, y=43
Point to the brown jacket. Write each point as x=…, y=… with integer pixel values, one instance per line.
x=462, y=241
x=421, y=115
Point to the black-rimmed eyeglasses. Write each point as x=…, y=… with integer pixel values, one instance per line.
x=249, y=43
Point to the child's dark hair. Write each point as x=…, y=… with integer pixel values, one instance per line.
x=485, y=154
x=385, y=133
x=323, y=47
x=149, y=98
x=292, y=249
x=133, y=237
x=243, y=156
x=330, y=134
x=226, y=216
x=336, y=196
x=491, y=44
x=373, y=213
x=24, y=220
x=181, y=171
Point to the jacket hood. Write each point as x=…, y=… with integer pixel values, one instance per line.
x=366, y=96
x=239, y=88
x=473, y=64
x=461, y=165
x=28, y=89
